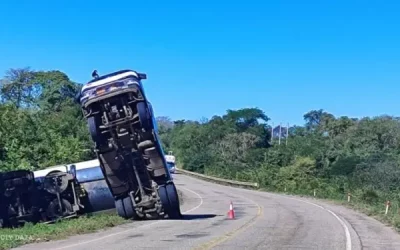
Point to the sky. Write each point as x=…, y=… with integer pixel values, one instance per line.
x=205, y=57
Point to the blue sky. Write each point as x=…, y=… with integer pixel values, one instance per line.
x=204, y=57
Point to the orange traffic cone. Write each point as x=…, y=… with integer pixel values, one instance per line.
x=231, y=213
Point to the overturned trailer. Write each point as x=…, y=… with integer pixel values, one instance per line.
x=91, y=178
x=61, y=191
x=56, y=192
x=95, y=194
x=18, y=202
x=24, y=198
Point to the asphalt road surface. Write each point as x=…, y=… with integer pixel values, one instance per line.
x=262, y=221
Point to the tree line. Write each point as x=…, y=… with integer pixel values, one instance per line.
x=42, y=126
x=332, y=155
x=40, y=123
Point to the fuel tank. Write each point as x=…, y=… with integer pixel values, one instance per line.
x=88, y=174
x=99, y=197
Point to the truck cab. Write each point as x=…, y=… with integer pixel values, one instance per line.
x=170, y=159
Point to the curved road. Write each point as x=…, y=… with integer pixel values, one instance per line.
x=263, y=221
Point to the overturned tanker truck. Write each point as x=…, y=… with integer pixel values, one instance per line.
x=18, y=202
x=24, y=198
x=123, y=127
x=94, y=194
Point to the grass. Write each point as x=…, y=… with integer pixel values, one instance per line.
x=30, y=233
x=10, y=238
x=374, y=210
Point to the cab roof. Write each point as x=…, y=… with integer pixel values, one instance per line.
x=113, y=74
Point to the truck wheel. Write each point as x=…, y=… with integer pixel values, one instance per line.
x=119, y=206
x=72, y=170
x=55, y=212
x=125, y=208
x=144, y=116
x=162, y=193
x=169, y=208
x=93, y=129
x=174, y=201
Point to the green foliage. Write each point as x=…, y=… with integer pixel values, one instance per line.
x=41, y=126
x=332, y=155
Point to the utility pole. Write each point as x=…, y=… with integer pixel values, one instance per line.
x=280, y=132
x=287, y=133
x=272, y=132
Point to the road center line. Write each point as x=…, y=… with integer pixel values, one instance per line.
x=216, y=241
x=346, y=229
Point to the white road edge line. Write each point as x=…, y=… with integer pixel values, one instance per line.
x=132, y=229
x=346, y=229
x=196, y=207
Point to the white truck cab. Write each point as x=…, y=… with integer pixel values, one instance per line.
x=170, y=159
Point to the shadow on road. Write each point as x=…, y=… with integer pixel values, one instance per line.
x=198, y=216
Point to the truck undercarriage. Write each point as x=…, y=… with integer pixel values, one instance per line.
x=130, y=155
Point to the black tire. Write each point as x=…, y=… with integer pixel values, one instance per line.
x=174, y=201
x=53, y=209
x=93, y=130
x=129, y=209
x=119, y=206
x=144, y=116
x=72, y=171
x=125, y=208
x=162, y=193
x=169, y=202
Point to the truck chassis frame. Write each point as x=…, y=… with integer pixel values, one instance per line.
x=122, y=126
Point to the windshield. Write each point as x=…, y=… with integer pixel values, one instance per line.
x=170, y=164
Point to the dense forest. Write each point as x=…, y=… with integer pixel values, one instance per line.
x=41, y=126
x=334, y=155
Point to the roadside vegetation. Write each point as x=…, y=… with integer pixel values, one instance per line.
x=332, y=156
x=41, y=126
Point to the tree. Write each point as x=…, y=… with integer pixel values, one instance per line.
x=58, y=90
x=41, y=126
x=18, y=88
x=317, y=119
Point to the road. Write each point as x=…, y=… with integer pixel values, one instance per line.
x=262, y=221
